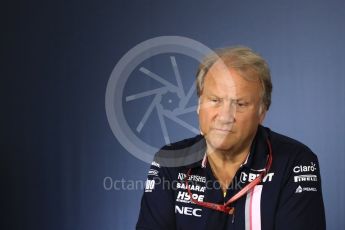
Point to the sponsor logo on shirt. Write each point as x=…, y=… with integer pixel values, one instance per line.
x=149, y=185
x=184, y=197
x=154, y=163
x=302, y=178
x=192, y=187
x=305, y=168
x=251, y=176
x=197, y=178
x=153, y=172
x=301, y=189
x=188, y=211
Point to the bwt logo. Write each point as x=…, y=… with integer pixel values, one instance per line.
x=251, y=176
x=150, y=90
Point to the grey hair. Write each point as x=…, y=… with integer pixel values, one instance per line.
x=246, y=62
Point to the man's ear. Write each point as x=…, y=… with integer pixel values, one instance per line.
x=197, y=111
x=262, y=113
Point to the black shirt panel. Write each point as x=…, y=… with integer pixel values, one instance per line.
x=289, y=197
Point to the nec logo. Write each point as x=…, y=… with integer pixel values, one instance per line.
x=188, y=211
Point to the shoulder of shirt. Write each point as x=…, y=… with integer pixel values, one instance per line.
x=182, y=153
x=183, y=144
x=285, y=145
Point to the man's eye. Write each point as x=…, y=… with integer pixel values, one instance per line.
x=214, y=100
x=241, y=104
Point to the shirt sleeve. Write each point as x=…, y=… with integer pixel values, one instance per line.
x=157, y=204
x=301, y=204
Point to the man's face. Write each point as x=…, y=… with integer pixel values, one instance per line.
x=229, y=109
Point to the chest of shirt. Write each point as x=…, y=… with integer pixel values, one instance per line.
x=203, y=187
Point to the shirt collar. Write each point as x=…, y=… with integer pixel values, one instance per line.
x=257, y=157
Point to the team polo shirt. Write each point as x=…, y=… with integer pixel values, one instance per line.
x=288, y=197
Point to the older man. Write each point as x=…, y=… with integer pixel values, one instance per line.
x=237, y=174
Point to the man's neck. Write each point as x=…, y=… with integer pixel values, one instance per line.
x=223, y=159
x=224, y=165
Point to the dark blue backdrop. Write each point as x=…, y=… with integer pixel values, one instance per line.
x=58, y=152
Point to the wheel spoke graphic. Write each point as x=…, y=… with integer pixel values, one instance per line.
x=158, y=78
x=186, y=99
x=146, y=93
x=171, y=100
x=167, y=93
x=178, y=112
x=147, y=113
x=163, y=126
x=181, y=122
x=177, y=76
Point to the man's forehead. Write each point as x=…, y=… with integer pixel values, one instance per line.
x=229, y=83
x=226, y=67
x=219, y=66
x=219, y=83
x=230, y=95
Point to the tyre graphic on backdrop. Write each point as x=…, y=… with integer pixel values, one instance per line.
x=150, y=97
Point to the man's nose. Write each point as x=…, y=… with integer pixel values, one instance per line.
x=226, y=113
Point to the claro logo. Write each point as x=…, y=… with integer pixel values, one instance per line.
x=305, y=168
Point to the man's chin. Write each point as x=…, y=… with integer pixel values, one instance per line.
x=219, y=145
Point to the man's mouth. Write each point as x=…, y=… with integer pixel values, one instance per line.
x=225, y=130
